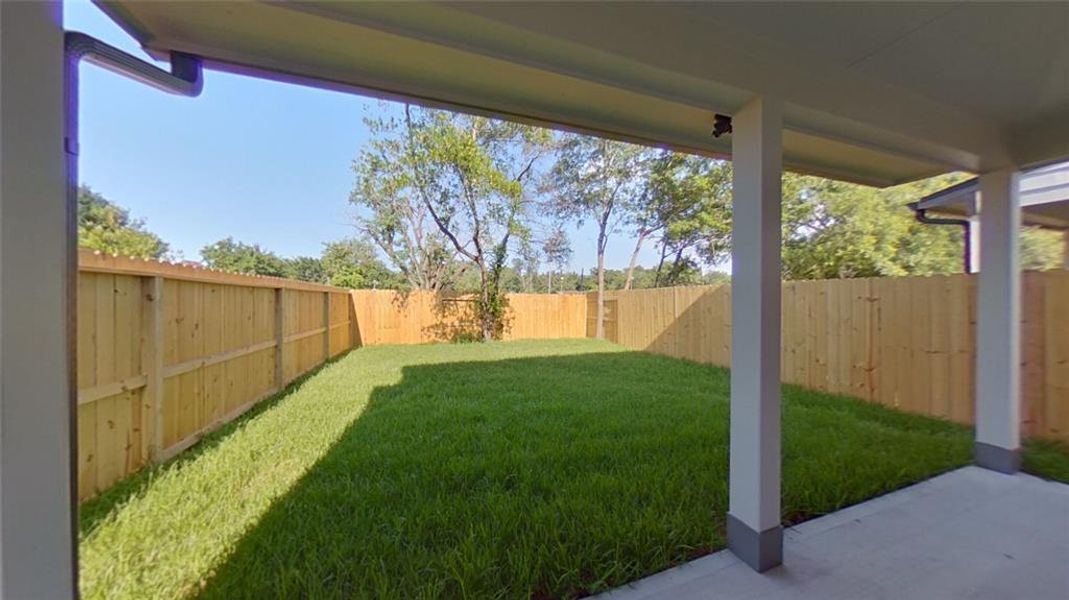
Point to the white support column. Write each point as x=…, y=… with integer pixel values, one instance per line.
x=36, y=405
x=753, y=522
x=974, y=244
x=998, y=340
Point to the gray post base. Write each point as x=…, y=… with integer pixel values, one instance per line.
x=761, y=550
x=996, y=458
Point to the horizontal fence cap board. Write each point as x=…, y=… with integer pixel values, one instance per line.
x=96, y=262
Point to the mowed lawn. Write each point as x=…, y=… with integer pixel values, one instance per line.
x=544, y=469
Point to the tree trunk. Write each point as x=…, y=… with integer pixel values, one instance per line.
x=485, y=316
x=599, y=331
x=634, y=259
x=660, y=264
x=677, y=266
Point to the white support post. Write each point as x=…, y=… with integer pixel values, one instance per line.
x=753, y=522
x=974, y=244
x=37, y=495
x=998, y=340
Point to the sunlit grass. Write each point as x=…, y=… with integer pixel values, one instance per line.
x=521, y=469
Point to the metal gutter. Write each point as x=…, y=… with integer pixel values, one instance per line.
x=922, y=216
x=185, y=78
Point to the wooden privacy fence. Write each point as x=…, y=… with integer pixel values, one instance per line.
x=908, y=343
x=167, y=353
x=418, y=317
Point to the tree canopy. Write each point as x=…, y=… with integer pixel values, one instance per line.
x=837, y=230
x=109, y=228
x=600, y=181
x=354, y=263
x=239, y=257
x=437, y=185
x=447, y=201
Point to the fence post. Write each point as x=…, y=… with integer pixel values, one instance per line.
x=326, y=326
x=152, y=363
x=354, y=325
x=280, y=337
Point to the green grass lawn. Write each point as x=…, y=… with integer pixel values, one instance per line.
x=512, y=470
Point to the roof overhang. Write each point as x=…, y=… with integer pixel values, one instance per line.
x=861, y=104
x=1044, y=198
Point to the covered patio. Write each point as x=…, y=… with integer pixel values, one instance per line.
x=971, y=533
x=872, y=94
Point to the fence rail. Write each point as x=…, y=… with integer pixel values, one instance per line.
x=419, y=317
x=908, y=342
x=168, y=353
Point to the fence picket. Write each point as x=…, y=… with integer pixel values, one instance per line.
x=167, y=353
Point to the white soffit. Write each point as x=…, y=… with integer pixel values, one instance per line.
x=1044, y=196
x=876, y=93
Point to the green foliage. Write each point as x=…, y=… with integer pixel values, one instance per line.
x=354, y=264
x=602, y=181
x=599, y=180
x=239, y=257
x=107, y=227
x=1042, y=249
x=390, y=192
x=439, y=185
x=491, y=306
x=305, y=268
x=1046, y=458
x=692, y=212
x=834, y=229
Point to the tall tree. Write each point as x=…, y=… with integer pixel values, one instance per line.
x=528, y=260
x=239, y=257
x=558, y=251
x=599, y=180
x=468, y=174
x=107, y=227
x=688, y=206
x=389, y=188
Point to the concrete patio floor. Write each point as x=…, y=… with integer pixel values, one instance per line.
x=971, y=533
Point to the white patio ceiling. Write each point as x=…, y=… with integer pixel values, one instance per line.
x=875, y=93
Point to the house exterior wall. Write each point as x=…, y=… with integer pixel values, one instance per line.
x=36, y=512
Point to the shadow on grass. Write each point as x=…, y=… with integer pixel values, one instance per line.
x=553, y=477
x=96, y=509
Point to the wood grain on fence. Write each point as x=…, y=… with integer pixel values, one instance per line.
x=907, y=343
x=167, y=353
x=419, y=317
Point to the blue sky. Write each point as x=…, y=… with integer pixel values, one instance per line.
x=264, y=162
